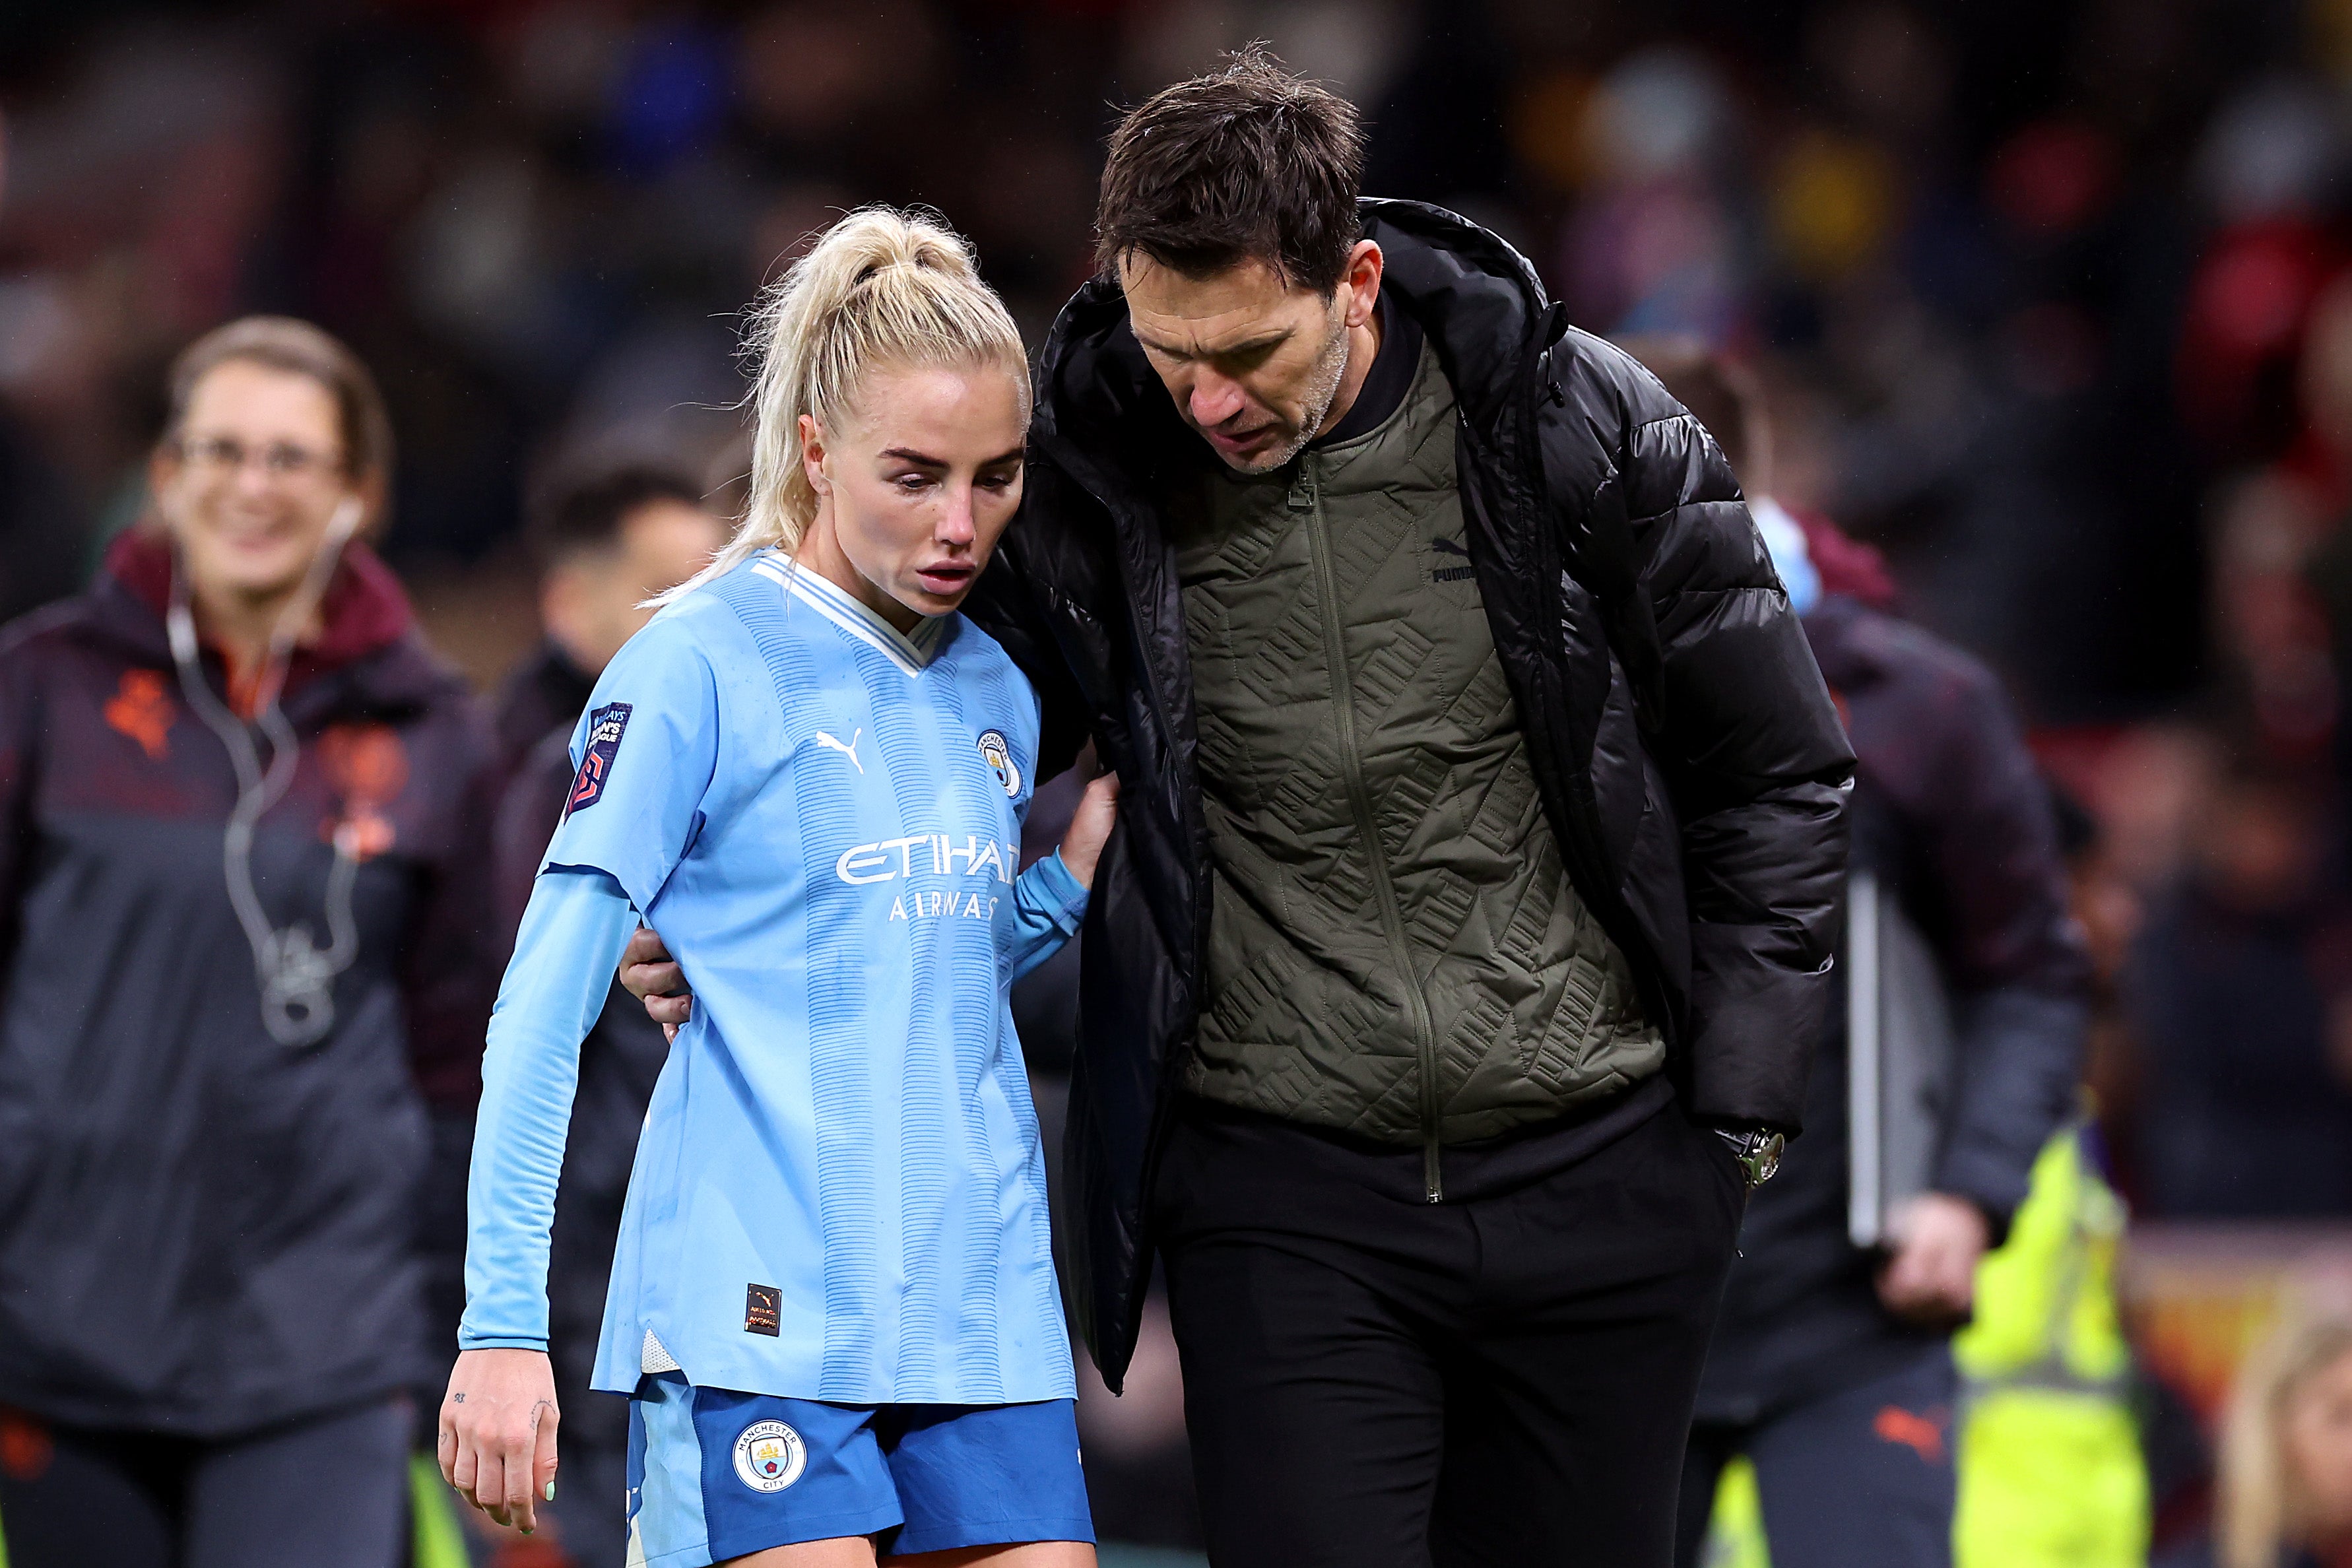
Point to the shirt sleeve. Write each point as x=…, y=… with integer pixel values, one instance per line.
x=643, y=757
x=1047, y=906
x=572, y=933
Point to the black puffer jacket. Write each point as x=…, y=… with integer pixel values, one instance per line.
x=1690, y=762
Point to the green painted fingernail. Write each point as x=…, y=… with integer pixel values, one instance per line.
x=550, y=1492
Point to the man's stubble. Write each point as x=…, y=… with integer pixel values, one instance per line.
x=1323, y=386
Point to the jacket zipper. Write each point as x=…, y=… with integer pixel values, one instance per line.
x=1306, y=495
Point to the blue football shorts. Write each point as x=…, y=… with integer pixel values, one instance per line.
x=714, y=1473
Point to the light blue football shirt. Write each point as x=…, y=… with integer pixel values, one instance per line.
x=839, y=1193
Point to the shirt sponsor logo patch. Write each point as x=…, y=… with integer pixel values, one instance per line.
x=606, y=727
x=999, y=754
x=770, y=1456
x=762, y=1305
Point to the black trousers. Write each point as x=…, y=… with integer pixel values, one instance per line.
x=1504, y=1379
x=1862, y=1478
x=330, y=1491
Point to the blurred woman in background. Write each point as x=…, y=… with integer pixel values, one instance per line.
x=241, y=863
x=2284, y=1496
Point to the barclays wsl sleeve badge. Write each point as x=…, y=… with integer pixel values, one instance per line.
x=606, y=727
x=999, y=756
x=769, y=1455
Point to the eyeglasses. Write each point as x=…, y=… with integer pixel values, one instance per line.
x=279, y=459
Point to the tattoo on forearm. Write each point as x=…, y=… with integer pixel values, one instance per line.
x=461, y=1398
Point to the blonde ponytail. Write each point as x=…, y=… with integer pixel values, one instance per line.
x=881, y=287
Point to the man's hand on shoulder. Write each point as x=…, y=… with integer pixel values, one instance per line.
x=650, y=974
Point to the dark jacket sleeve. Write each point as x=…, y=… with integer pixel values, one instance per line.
x=2018, y=970
x=1752, y=753
x=457, y=949
x=20, y=729
x=530, y=805
x=1003, y=603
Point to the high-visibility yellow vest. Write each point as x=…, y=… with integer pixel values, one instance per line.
x=2050, y=1474
x=2050, y=1466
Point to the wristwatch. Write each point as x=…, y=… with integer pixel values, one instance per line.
x=1758, y=1152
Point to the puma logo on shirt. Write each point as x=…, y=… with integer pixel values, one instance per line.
x=849, y=751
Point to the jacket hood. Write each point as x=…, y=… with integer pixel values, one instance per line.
x=1477, y=300
x=1847, y=565
x=368, y=627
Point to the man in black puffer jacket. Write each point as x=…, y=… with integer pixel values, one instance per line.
x=1479, y=854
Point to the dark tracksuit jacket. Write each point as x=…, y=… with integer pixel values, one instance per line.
x=202, y=1231
x=1952, y=816
x=621, y=1055
x=619, y=1061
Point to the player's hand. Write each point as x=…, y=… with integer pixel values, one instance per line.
x=650, y=974
x=1090, y=828
x=1931, y=1280
x=496, y=1442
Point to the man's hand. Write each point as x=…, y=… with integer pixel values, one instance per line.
x=498, y=1433
x=1931, y=1280
x=1090, y=828
x=649, y=974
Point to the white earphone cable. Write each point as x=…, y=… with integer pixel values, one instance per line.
x=297, y=977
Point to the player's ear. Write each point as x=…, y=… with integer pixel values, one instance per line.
x=812, y=454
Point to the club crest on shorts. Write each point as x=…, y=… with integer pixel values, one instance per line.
x=998, y=753
x=770, y=1456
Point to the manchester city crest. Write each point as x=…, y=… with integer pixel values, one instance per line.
x=999, y=754
x=770, y=1456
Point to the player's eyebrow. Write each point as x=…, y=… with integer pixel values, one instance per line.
x=924, y=460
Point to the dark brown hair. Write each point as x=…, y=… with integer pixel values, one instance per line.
x=282, y=342
x=579, y=511
x=1247, y=163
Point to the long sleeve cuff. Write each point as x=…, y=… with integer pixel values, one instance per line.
x=1048, y=906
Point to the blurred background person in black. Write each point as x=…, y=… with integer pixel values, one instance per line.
x=607, y=538
x=249, y=964
x=2241, y=989
x=1830, y=1368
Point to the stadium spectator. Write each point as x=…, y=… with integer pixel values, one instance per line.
x=2240, y=991
x=607, y=540
x=1831, y=1366
x=244, y=876
x=2283, y=1495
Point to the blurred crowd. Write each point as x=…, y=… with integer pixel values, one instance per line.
x=2054, y=305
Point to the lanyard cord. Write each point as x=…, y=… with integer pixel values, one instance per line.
x=297, y=979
